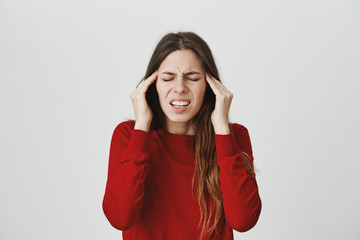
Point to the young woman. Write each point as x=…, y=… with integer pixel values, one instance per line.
x=181, y=170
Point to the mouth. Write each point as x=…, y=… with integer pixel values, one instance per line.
x=180, y=103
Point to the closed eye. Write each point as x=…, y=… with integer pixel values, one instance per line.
x=167, y=80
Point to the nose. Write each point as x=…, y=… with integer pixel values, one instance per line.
x=180, y=86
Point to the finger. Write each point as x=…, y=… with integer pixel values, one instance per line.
x=219, y=85
x=147, y=82
x=214, y=86
x=153, y=74
x=151, y=79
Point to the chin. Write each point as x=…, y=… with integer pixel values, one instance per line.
x=179, y=119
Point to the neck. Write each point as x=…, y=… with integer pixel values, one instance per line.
x=185, y=128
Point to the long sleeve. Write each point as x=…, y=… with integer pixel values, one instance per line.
x=128, y=169
x=241, y=200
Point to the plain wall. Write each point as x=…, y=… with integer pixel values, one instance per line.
x=67, y=69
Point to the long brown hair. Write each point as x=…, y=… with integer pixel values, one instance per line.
x=206, y=174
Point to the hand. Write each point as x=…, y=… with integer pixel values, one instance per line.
x=223, y=98
x=143, y=113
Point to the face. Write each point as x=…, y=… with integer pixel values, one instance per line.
x=181, y=86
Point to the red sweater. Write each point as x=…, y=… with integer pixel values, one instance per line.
x=148, y=191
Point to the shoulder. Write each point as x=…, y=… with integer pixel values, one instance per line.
x=242, y=137
x=125, y=128
x=241, y=133
x=238, y=129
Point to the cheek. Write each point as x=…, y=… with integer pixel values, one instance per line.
x=200, y=91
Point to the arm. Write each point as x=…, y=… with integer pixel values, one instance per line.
x=241, y=200
x=127, y=172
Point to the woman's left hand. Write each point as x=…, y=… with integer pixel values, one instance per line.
x=220, y=115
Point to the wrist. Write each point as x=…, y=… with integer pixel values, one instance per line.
x=222, y=129
x=145, y=126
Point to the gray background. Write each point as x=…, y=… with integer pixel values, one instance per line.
x=67, y=69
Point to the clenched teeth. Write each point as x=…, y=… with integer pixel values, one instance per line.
x=180, y=103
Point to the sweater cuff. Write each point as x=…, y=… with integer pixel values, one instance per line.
x=139, y=140
x=226, y=145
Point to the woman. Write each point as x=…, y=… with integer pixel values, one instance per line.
x=180, y=170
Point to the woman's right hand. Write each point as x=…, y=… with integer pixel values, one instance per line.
x=143, y=113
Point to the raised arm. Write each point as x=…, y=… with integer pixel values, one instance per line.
x=241, y=200
x=128, y=160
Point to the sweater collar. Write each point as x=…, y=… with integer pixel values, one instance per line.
x=175, y=137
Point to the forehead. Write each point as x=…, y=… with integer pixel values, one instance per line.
x=181, y=60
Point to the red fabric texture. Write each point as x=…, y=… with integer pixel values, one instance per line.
x=149, y=193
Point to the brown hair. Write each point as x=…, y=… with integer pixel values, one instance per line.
x=206, y=174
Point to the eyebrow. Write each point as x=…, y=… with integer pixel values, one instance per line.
x=186, y=74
